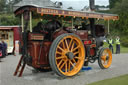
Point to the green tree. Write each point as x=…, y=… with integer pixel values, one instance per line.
x=8, y=19
x=121, y=26
x=10, y=5
x=2, y=5
x=113, y=2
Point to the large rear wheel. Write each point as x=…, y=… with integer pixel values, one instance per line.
x=67, y=54
x=105, y=58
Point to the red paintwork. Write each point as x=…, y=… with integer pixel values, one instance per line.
x=16, y=31
x=87, y=42
x=35, y=36
x=92, y=52
x=17, y=35
x=34, y=48
x=40, y=60
x=83, y=34
x=58, y=32
x=93, y=45
x=34, y=51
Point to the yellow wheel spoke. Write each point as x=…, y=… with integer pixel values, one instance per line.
x=72, y=46
x=76, y=52
x=67, y=44
x=104, y=62
x=66, y=68
x=58, y=53
x=60, y=63
x=76, y=48
x=79, y=58
x=70, y=42
x=61, y=57
x=103, y=58
x=69, y=66
x=74, y=61
x=72, y=64
x=105, y=53
x=61, y=49
x=63, y=64
x=63, y=44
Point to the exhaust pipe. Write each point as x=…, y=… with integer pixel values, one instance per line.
x=92, y=5
x=92, y=20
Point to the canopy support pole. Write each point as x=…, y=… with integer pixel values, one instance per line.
x=92, y=25
x=72, y=22
x=62, y=21
x=30, y=21
x=108, y=26
x=22, y=22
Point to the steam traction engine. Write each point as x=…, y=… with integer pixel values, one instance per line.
x=61, y=49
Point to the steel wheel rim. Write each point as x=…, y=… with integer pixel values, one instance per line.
x=67, y=64
x=106, y=58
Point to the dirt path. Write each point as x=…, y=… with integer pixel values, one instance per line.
x=8, y=65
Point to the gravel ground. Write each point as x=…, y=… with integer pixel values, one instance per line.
x=7, y=67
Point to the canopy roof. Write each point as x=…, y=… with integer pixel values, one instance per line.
x=46, y=3
x=64, y=12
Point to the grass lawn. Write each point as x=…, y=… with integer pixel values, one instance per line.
x=122, y=49
x=122, y=80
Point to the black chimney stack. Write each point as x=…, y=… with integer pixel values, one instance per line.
x=92, y=4
x=92, y=20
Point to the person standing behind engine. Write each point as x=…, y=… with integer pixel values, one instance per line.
x=4, y=48
x=1, y=50
x=111, y=42
x=117, y=45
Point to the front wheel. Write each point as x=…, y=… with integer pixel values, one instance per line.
x=67, y=55
x=105, y=58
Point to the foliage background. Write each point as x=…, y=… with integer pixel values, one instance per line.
x=120, y=27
